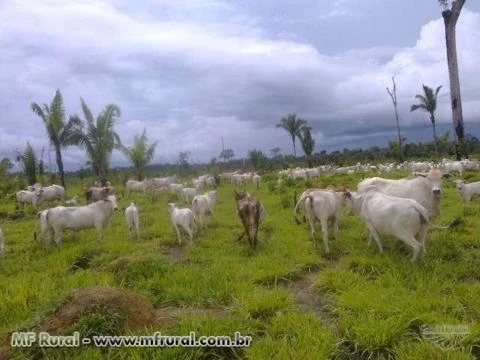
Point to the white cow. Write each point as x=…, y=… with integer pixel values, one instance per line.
x=164, y=181
x=453, y=166
x=137, y=186
x=33, y=197
x=202, y=205
x=402, y=218
x=189, y=193
x=326, y=206
x=96, y=215
x=467, y=191
x=2, y=242
x=184, y=219
x=132, y=219
x=52, y=193
x=426, y=188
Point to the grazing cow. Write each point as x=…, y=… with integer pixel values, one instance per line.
x=202, y=205
x=189, y=193
x=256, y=180
x=453, y=166
x=73, y=201
x=132, y=219
x=173, y=188
x=2, y=242
x=96, y=215
x=184, y=219
x=426, y=188
x=326, y=206
x=403, y=218
x=165, y=181
x=93, y=194
x=52, y=193
x=467, y=191
x=251, y=213
x=33, y=197
x=137, y=186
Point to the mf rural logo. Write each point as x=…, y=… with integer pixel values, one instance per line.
x=445, y=335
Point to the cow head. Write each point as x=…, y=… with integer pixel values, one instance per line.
x=113, y=200
x=171, y=207
x=434, y=177
x=460, y=184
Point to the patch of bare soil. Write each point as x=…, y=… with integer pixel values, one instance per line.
x=174, y=253
x=135, y=310
x=307, y=298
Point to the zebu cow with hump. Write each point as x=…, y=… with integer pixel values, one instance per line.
x=426, y=189
x=251, y=213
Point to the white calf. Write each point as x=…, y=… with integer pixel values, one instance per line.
x=132, y=219
x=96, y=215
x=467, y=191
x=402, y=218
x=183, y=218
x=33, y=198
x=202, y=205
x=326, y=206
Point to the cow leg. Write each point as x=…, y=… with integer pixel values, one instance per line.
x=422, y=237
x=373, y=232
x=179, y=237
x=324, y=223
x=58, y=237
x=190, y=236
x=410, y=240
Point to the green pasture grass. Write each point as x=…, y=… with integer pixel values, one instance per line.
x=379, y=303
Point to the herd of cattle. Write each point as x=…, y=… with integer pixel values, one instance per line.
x=401, y=208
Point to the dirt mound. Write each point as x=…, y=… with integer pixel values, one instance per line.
x=136, y=311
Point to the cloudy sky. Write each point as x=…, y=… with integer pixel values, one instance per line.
x=195, y=71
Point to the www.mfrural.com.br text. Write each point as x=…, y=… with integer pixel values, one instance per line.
x=44, y=339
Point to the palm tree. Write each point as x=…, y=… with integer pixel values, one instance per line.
x=98, y=137
x=308, y=143
x=428, y=103
x=29, y=163
x=140, y=153
x=292, y=125
x=60, y=134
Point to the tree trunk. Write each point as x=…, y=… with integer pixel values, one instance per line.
x=58, y=155
x=435, y=142
x=450, y=17
x=393, y=95
x=294, y=150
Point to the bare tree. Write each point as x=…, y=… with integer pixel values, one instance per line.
x=450, y=17
x=393, y=95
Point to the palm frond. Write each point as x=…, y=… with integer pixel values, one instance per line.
x=418, y=106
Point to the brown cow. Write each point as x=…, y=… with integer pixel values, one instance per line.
x=250, y=213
